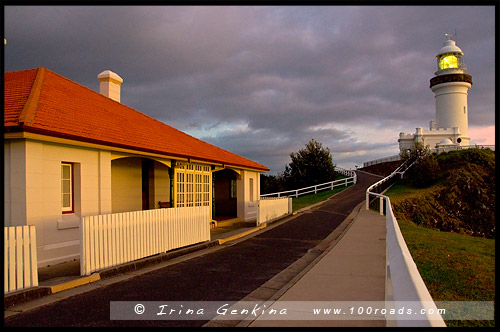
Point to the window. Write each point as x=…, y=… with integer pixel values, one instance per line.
x=67, y=188
x=193, y=185
x=251, y=189
x=233, y=187
x=449, y=61
x=180, y=189
x=189, y=189
x=198, y=189
x=206, y=190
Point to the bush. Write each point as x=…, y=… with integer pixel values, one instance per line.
x=425, y=172
x=470, y=197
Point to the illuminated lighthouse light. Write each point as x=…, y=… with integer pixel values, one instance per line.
x=449, y=61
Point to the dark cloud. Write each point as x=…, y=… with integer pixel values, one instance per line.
x=263, y=81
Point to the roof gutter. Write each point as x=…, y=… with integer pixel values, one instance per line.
x=11, y=131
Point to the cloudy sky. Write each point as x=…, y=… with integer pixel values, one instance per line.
x=262, y=81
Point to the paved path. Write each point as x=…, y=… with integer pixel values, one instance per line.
x=227, y=273
x=351, y=270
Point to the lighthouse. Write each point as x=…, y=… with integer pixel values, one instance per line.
x=450, y=86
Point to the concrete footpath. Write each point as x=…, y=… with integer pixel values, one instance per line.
x=351, y=270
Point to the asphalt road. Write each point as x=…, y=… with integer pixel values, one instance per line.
x=227, y=274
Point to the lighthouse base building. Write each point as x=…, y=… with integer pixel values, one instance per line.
x=449, y=130
x=437, y=139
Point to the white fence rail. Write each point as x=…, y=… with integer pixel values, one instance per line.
x=112, y=239
x=352, y=178
x=20, y=260
x=461, y=147
x=271, y=208
x=382, y=160
x=435, y=150
x=346, y=172
x=403, y=281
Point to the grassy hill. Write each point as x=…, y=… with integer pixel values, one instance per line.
x=453, y=192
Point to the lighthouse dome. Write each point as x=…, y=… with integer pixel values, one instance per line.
x=449, y=59
x=450, y=46
x=446, y=141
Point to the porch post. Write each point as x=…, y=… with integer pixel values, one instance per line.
x=213, y=193
x=104, y=182
x=171, y=174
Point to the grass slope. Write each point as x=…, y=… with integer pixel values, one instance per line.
x=454, y=265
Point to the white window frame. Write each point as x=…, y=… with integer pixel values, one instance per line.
x=193, y=185
x=251, y=189
x=233, y=189
x=71, y=207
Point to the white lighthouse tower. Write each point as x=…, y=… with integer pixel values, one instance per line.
x=450, y=86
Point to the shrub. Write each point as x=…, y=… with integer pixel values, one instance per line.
x=425, y=172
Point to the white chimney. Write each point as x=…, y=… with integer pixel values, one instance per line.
x=109, y=84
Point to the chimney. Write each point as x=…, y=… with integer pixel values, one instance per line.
x=109, y=84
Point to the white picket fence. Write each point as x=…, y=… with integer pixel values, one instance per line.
x=20, y=261
x=382, y=160
x=112, y=239
x=271, y=208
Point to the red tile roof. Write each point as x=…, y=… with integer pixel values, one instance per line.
x=41, y=101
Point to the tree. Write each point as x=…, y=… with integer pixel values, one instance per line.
x=310, y=166
x=271, y=184
x=417, y=151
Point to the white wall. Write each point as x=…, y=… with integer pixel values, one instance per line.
x=272, y=208
x=33, y=193
x=32, y=187
x=14, y=183
x=126, y=184
x=451, y=99
x=432, y=137
x=162, y=183
x=248, y=198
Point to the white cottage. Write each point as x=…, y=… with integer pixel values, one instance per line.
x=71, y=152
